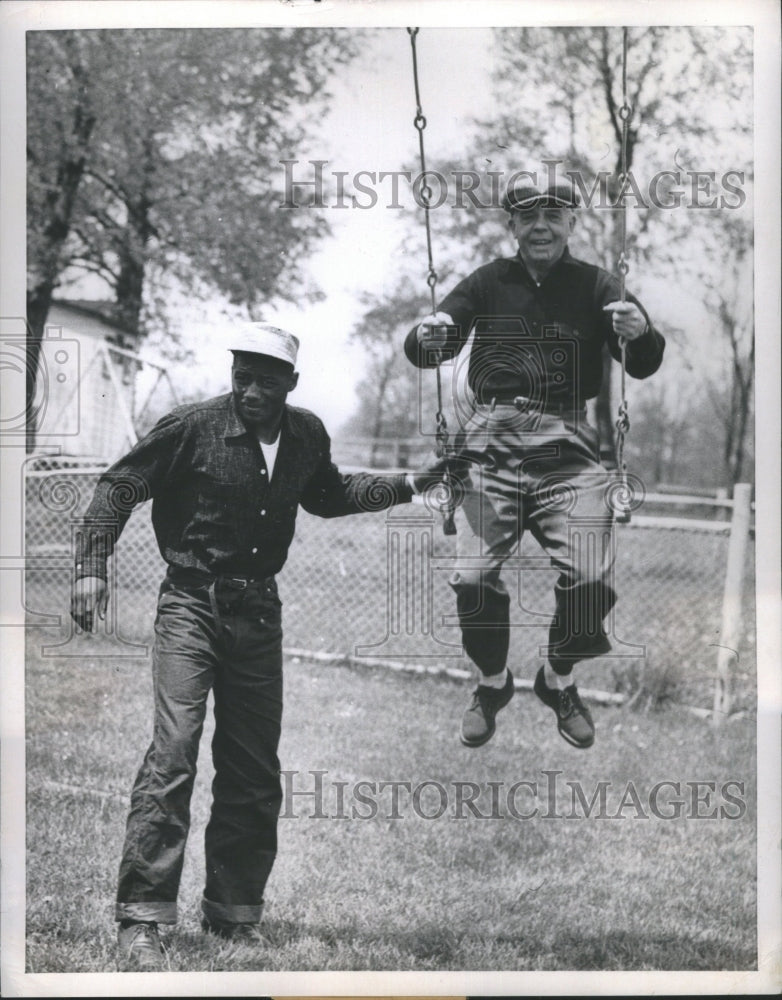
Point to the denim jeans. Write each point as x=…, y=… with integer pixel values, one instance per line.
x=228, y=641
x=537, y=472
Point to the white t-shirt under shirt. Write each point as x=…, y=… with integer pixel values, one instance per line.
x=270, y=457
x=270, y=454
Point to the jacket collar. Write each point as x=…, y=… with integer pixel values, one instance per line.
x=516, y=261
x=234, y=426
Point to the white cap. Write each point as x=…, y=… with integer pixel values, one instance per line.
x=263, y=338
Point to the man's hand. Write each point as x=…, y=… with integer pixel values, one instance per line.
x=431, y=331
x=423, y=480
x=628, y=320
x=89, y=595
x=429, y=481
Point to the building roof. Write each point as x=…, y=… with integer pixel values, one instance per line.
x=103, y=310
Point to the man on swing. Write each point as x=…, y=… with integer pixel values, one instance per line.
x=526, y=456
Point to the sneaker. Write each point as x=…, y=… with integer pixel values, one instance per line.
x=574, y=720
x=140, y=949
x=478, y=723
x=237, y=933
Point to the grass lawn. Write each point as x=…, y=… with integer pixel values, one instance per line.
x=552, y=892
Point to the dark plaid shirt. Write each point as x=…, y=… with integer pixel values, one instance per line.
x=541, y=340
x=213, y=506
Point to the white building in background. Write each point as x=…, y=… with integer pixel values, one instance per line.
x=87, y=403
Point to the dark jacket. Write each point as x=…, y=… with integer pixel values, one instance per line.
x=540, y=340
x=213, y=507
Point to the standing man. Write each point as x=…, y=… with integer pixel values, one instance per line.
x=526, y=456
x=226, y=478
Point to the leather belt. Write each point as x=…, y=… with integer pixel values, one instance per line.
x=525, y=404
x=216, y=586
x=197, y=578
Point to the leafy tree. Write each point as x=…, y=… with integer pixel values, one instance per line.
x=59, y=99
x=155, y=154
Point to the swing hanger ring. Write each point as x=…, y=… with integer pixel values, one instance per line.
x=420, y=122
x=625, y=112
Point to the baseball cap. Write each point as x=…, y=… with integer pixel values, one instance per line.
x=525, y=195
x=263, y=338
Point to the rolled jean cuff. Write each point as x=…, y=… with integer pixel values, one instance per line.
x=159, y=913
x=231, y=913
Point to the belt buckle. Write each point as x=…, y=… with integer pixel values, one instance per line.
x=240, y=580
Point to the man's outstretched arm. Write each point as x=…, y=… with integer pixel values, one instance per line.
x=330, y=493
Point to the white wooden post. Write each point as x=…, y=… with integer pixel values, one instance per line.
x=730, y=633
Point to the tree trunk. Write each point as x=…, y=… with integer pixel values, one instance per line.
x=38, y=304
x=130, y=286
x=129, y=291
x=45, y=263
x=739, y=432
x=45, y=272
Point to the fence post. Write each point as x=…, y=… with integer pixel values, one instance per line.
x=730, y=632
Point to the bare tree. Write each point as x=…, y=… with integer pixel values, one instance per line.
x=393, y=393
x=728, y=288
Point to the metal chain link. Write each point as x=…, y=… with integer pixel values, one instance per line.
x=623, y=266
x=425, y=194
x=425, y=198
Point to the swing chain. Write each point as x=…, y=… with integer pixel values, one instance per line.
x=425, y=199
x=623, y=266
x=625, y=114
x=425, y=193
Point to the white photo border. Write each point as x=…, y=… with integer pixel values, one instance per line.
x=764, y=16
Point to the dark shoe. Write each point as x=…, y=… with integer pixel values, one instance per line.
x=478, y=723
x=237, y=933
x=140, y=949
x=574, y=720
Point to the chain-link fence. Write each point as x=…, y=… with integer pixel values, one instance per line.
x=374, y=586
